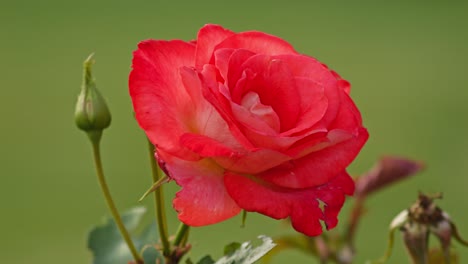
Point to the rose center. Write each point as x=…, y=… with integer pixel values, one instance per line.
x=251, y=102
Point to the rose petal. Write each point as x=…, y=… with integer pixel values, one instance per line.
x=155, y=78
x=221, y=61
x=317, y=167
x=268, y=123
x=301, y=205
x=235, y=70
x=348, y=117
x=313, y=104
x=208, y=37
x=273, y=82
x=203, y=199
x=310, y=68
x=205, y=146
x=241, y=161
x=213, y=93
x=345, y=126
x=253, y=162
x=257, y=42
x=203, y=118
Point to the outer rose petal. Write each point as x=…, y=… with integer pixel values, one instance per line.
x=257, y=42
x=301, y=205
x=155, y=78
x=203, y=199
x=317, y=167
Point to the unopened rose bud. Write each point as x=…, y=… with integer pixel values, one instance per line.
x=91, y=114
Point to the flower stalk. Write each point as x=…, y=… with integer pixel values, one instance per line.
x=181, y=235
x=110, y=203
x=159, y=203
x=93, y=116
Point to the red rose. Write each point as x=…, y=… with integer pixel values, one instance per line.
x=243, y=121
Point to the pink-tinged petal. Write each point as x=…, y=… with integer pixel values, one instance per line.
x=221, y=61
x=192, y=85
x=235, y=70
x=204, y=121
x=264, y=120
x=203, y=199
x=214, y=93
x=301, y=205
x=208, y=37
x=257, y=42
x=317, y=167
x=155, y=78
x=229, y=61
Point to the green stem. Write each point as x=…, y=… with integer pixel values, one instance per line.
x=184, y=240
x=356, y=213
x=159, y=203
x=181, y=235
x=110, y=202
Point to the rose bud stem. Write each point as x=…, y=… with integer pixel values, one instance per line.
x=159, y=201
x=181, y=235
x=93, y=116
x=111, y=204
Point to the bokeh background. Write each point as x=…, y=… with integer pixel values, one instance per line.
x=407, y=63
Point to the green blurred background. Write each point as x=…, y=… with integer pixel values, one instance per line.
x=406, y=62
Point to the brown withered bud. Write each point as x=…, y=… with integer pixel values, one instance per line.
x=416, y=239
x=425, y=211
x=416, y=223
x=388, y=170
x=425, y=214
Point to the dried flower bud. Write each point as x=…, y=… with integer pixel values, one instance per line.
x=387, y=171
x=424, y=217
x=416, y=238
